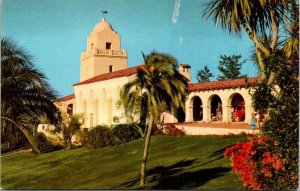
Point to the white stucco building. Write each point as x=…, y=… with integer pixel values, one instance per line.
x=104, y=71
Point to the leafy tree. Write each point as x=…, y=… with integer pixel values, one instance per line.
x=283, y=124
x=157, y=83
x=26, y=96
x=204, y=75
x=262, y=20
x=230, y=67
x=71, y=128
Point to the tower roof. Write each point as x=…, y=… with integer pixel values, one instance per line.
x=102, y=26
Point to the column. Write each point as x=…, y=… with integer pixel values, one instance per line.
x=109, y=111
x=226, y=113
x=248, y=110
x=207, y=113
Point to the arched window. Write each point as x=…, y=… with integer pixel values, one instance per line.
x=70, y=110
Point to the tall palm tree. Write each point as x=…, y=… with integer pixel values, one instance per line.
x=157, y=83
x=258, y=18
x=26, y=96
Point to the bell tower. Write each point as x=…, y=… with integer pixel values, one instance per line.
x=104, y=53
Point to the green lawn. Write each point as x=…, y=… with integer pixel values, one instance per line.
x=190, y=162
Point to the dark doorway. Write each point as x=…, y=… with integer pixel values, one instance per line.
x=216, y=108
x=197, y=109
x=180, y=115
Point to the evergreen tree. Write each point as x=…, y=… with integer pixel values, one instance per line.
x=230, y=67
x=204, y=75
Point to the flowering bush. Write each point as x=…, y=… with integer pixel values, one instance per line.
x=254, y=163
x=172, y=130
x=282, y=121
x=240, y=114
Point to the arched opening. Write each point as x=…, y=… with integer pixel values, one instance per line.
x=237, y=108
x=70, y=110
x=180, y=115
x=216, y=108
x=197, y=109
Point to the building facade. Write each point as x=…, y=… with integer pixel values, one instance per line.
x=104, y=71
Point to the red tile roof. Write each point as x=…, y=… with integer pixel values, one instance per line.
x=237, y=83
x=66, y=98
x=112, y=75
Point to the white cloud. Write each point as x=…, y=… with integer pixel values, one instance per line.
x=176, y=11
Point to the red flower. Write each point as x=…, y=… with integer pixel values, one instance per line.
x=232, y=149
x=262, y=140
x=267, y=158
x=266, y=172
x=278, y=165
x=244, y=162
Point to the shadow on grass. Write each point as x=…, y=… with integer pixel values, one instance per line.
x=189, y=180
x=218, y=153
x=177, y=176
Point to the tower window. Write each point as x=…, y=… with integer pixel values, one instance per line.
x=110, y=68
x=92, y=46
x=108, y=46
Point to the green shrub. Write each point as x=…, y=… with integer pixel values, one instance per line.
x=44, y=145
x=98, y=137
x=126, y=132
x=81, y=136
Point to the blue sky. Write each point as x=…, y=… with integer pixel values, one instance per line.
x=55, y=31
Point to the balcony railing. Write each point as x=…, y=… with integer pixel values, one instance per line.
x=104, y=52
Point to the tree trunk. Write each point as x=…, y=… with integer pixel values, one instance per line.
x=145, y=155
x=275, y=29
x=271, y=78
x=26, y=133
x=252, y=36
x=261, y=64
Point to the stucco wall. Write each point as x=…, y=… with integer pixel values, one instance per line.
x=97, y=101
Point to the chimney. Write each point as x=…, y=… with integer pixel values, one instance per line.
x=184, y=69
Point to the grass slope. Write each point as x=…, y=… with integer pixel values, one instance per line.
x=189, y=162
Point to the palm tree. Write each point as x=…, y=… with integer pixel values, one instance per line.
x=157, y=83
x=26, y=96
x=258, y=18
x=291, y=41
